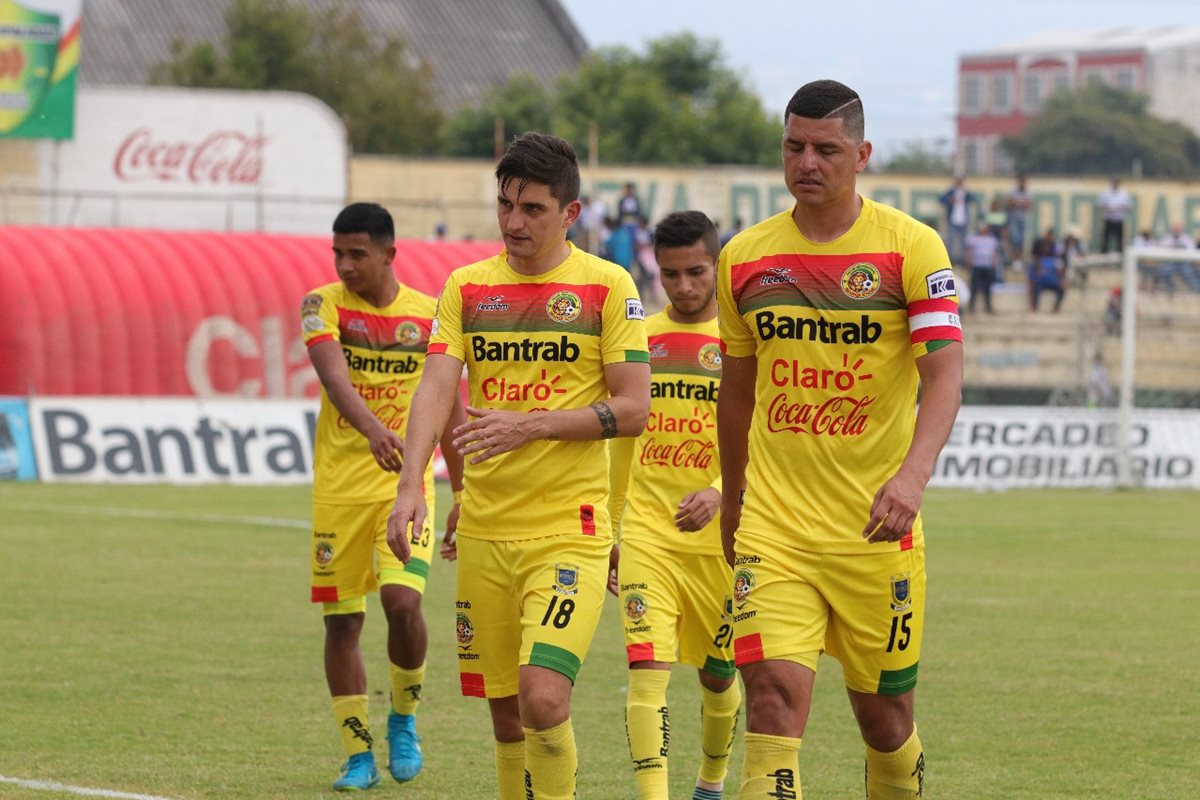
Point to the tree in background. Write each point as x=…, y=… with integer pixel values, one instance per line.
x=1101, y=130
x=382, y=92
x=677, y=104
x=920, y=157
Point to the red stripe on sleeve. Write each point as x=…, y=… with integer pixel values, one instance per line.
x=943, y=332
x=472, y=684
x=925, y=306
x=747, y=649
x=436, y=349
x=643, y=651
x=323, y=337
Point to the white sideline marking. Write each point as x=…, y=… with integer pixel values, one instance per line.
x=51, y=786
x=146, y=513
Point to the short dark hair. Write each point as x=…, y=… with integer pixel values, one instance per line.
x=541, y=158
x=826, y=99
x=369, y=218
x=685, y=228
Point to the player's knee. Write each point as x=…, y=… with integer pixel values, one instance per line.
x=343, y=627
x=715, y=683
x=401, y=605
x=886, y=732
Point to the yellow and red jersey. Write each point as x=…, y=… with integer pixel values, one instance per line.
x=836, y=329
x=534, y=343
x=677, y=453
x=385, y=351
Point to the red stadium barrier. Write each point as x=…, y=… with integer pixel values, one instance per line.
x=97, y=311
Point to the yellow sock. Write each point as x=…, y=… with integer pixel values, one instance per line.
x=771, y=768
x=898, y=775
x=718, y=719
x=406, y=688
x=550, y=763
x=350, y=713
x=510, y=770
x=648, y=728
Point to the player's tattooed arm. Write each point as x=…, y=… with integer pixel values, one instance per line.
x=608, y=420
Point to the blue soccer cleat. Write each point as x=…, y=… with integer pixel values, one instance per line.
x=404, y=748
x=358, y=773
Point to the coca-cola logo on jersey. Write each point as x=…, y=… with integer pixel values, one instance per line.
x=690, y=453
x=220, y=157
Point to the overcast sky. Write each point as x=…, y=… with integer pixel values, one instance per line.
x=900, y=55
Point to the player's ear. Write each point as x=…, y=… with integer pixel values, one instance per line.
x=573, y=208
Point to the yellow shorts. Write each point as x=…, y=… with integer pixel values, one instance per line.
x=534, y=601
x=675, y=602
x=867, y=611
x=351, y=557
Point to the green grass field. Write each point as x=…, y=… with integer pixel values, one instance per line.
x=159, y=640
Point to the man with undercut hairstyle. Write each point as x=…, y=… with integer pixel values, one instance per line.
x=554, y=344
x=672, y=577
x=366, y=335
x=831, y=315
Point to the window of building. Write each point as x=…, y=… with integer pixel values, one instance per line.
x=1002, y=99
x=972, y=94
x=970, y=156
x=1033, y=93
x=1127, y=79
x=1061, y=81
x=1093, y=77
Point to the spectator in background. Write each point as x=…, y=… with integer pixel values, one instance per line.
x=1112, y=311
x=1113, y=205
x=732, y=232
x=1073, y=250
x=1186, y=270
x=1019, y=203
x=647, y=277
x=983, y=256
x=629, y=208
x=439, y=232
x=1046, y=270
x=997, y=225
x=958, y=202
x=589, y=231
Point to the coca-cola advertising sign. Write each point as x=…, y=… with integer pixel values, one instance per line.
x=200, y=159
x=230, y=157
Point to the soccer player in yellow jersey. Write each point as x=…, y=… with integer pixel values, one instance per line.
x=366, y=337
x=554, y=343
x=831, y=314
x=672, y=579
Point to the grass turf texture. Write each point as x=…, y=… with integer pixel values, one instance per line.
x=147, y=645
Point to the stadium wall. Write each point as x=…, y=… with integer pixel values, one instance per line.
x=461, y=194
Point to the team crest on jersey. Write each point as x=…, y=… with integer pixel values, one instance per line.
x=635, y=607
x=324, y=553
x=710, y=356
x=310, y=306
x=860, y=280
x=658, y=350
x=901, y=598
x=464, y=630
x=743, y=585
x=407, y=333
x=566, y=579
x=941, y=284
x=564, y=306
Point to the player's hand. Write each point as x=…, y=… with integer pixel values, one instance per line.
x=491, y=433
x=894, y=508
x=449, y=550
x=408, y=515
x=386, y=447
x=697, y=509
x=614, y=560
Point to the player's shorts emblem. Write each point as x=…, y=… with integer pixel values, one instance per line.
x=743, y=585
x=464, y=630
x=564, y=306
x=727, y=610
x=860, y=280
x=407, y=333
x=635, y=607
x=566, y=579
x=324, y=553
x=901, y=598
x=710, y=356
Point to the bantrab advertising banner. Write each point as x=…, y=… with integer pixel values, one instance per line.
x=39, y=62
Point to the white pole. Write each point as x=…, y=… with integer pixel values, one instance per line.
x=1128, y=354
